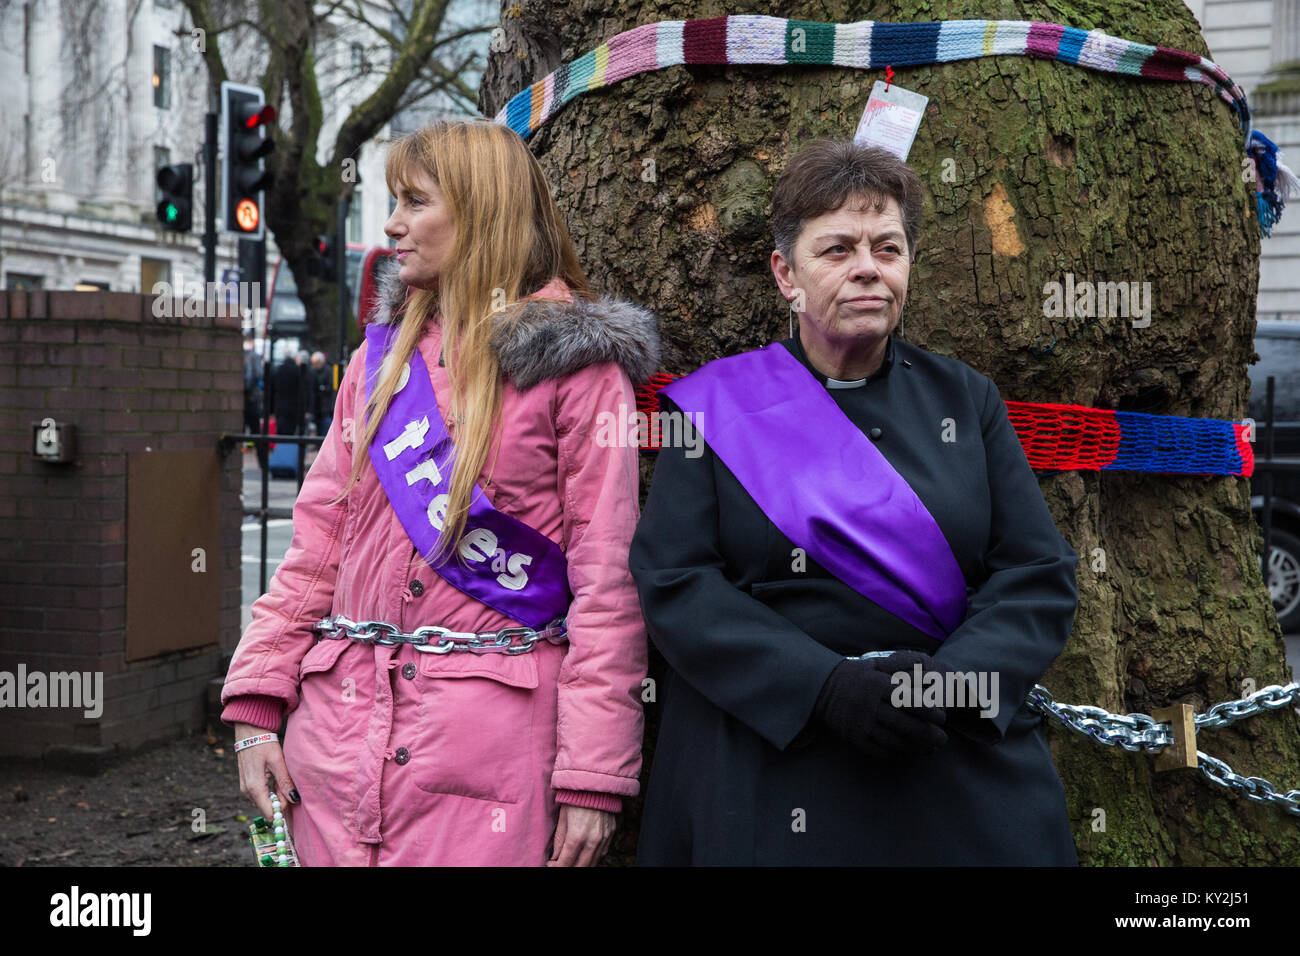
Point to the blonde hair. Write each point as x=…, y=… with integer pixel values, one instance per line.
x=508, y=242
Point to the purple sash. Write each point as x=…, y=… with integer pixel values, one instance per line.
x=508, y=566
x=825, y=485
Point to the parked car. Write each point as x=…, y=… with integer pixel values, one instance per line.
x=1278, y=345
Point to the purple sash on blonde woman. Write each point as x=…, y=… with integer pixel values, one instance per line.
x=509, y=566
x=824, y=484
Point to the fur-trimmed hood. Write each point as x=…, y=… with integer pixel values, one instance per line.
x=552, y=338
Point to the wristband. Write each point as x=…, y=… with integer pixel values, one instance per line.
x=254, y=741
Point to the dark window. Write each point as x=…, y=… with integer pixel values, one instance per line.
x=162, y=84
x=19, y=280
x=1279, y=357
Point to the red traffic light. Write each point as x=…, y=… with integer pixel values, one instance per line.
x=265, y=115
x=244, y=176
x=322, y=264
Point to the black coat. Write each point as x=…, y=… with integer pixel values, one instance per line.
x=289, y=392
x=252, y=383
x=744, y=773
x=322, y=397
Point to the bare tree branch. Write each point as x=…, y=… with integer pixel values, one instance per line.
x=397, y=11
x=201, y=16
x=452, y=81
x=462, y=34
x=360, y=17
x=369, y=116
x=242, y=22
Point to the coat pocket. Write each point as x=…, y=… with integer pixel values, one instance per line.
x=321, y=657
x=476, y=725
x=326, y=732
x=334, y=697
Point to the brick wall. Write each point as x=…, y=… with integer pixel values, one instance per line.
x=127, y=380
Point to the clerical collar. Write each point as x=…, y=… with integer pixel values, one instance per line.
x=839, y=383
x=797, y=350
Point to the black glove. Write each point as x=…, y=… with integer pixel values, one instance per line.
x=967, y=719
x=855, y=703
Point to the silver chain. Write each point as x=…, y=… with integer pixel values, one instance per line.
x=1135, y=732
x=1270, y=698
x=1141, y=732
x=1255, y=788
x=434, y=639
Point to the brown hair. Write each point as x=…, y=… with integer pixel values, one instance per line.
x=509, y=240
x=828, y=173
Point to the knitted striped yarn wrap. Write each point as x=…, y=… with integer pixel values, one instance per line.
x=1069, y=437
x=868, y=44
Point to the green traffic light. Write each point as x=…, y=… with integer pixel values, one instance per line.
x=172, y=212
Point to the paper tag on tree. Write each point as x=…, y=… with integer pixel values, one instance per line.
x=891, y=119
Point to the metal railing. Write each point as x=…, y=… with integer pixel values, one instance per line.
x=265, y=512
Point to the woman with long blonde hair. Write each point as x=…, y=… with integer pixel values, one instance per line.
x=453, y=632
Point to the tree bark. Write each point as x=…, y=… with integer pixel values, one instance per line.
x=1055, y=169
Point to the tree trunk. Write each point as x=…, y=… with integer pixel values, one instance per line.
x=1055, y=169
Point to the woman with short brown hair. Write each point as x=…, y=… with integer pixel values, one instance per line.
x=857, y=582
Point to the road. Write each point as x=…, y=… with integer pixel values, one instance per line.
x=279, y=531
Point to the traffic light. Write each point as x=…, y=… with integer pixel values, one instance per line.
x=322, y=263
x=175, y=209
x=243, y=173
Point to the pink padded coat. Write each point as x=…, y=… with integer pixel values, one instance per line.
x=404, y=758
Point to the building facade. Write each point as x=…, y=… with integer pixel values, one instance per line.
x=1258, y=43
x=99, y=96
